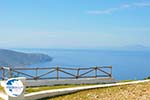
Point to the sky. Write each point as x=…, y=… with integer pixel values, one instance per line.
x=74, y=23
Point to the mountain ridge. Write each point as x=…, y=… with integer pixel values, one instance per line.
x=15, y=58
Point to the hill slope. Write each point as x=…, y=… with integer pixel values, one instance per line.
x=13, y=58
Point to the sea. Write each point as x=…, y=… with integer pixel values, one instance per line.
x=126, y=64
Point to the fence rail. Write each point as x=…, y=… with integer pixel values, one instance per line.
x=56, y=72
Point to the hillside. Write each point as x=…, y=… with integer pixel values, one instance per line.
x=13, y=58
x=139, y=91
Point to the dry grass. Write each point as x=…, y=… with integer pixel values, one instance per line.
x=127, y=92
x=42, y=88
x=1, y=89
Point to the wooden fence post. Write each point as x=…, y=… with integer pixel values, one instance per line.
x=57, y=74
x=110, y=71
x=78, y=72
x=10, y=72
x=3, y=73
x=36, y=73
x=95, y=72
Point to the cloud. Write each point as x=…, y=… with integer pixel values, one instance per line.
x=121, y=7
x=141, y=4
x=125, y=6
x=106, y=11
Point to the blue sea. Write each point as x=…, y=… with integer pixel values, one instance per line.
x=126, y=64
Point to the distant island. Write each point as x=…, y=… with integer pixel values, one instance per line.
x=13, y=58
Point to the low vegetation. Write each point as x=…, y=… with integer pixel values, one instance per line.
x=126, y=81
x=1, y=88
x=139, y=91
x=37, y=89
x=147, y=78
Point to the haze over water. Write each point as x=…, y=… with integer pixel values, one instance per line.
x=126, y=64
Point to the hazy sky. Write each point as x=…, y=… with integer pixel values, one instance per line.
x=74, y=23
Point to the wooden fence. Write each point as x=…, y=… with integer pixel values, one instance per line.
x=56, y=72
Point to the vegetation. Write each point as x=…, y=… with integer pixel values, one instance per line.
x=147, y=78
x=126, y=80
x=36, y=89
x=1, y=88
x=13, y=58
x=126, y=92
